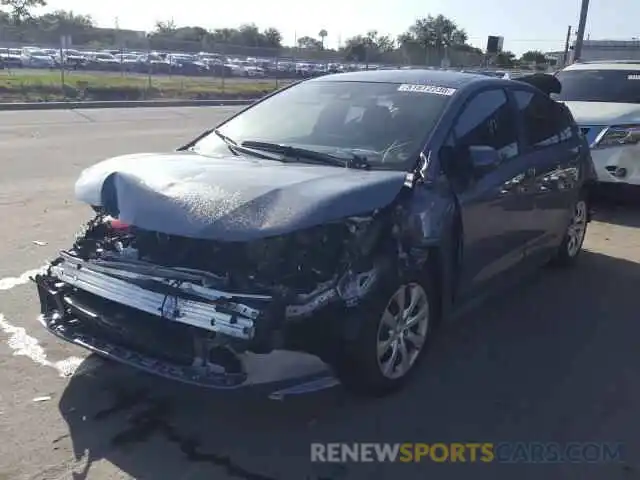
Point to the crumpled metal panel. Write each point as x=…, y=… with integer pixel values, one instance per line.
x=231, y=198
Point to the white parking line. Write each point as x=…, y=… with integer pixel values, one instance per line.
x=21, y=343
x=10, y=282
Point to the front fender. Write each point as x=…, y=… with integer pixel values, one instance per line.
x=429, y=236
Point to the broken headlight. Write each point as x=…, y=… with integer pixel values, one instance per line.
x=300, y=260
x=315, y=255
x=365, y=234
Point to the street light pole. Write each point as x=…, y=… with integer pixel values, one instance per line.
x=577, y=51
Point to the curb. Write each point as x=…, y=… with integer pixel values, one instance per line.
x=122, y=104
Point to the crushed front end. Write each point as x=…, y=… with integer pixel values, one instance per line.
x=188, y=309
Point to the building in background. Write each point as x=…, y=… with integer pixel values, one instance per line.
x=602, y=50
x=554, y=58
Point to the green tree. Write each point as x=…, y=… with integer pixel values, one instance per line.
x=433, y=34
x=309, y=43
x=246, y=35
x=506, y=59
x=322, y=34
x=380, y=43
x=224, y=35
x=249, y=35
x=273, y=37
x=22, y=10
x=369, y=47
x=190, y=34
x=165, y=28
x=64, y=22
x=534, y=56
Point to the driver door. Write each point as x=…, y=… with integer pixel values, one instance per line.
x=495, y=205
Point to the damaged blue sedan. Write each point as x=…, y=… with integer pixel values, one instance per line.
x=344, y=217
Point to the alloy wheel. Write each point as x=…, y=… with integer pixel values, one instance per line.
x=577, y=228
x=402, y=331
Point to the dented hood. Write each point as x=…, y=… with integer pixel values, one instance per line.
x=231, y=198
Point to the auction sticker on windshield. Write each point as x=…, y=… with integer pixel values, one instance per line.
x=407, y=87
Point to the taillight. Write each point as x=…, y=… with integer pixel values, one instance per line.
x=118, y=225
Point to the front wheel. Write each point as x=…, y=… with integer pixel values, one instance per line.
x=395, y=328
x=573, y=240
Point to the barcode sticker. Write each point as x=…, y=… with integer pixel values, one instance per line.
x=426, y=89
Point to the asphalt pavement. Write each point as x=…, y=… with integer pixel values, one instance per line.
x=554, y=359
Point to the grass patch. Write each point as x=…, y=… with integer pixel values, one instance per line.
x=45, y=85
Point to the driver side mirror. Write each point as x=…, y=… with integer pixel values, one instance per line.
x=483, y=158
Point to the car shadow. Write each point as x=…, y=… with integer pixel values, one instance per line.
x=553, y=360
x=618, y=207
x=622, y=215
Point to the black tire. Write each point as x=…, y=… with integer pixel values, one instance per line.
x=357, y=365
x=567, y=253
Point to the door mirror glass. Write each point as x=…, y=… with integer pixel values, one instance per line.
x=483, y=158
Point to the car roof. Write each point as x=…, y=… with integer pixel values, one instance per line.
x=443, y=78
x=609, y=65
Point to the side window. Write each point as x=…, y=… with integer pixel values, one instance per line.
x=488, y=120
x=545, y=122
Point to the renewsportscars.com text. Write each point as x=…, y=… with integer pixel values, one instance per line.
x=502, y=452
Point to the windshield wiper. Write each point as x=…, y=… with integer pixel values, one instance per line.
x=300, y=154
x=294, y=152
x=238, y=149
x=231, y=144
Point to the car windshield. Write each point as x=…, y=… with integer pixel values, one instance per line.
x=615, y=86
x=382, y=122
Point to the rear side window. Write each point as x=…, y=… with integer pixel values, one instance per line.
x=488, y=120
x=545, y=122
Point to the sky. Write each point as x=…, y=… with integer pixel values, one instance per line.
x=524, y=24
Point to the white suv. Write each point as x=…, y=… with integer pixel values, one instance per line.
x=604, y=98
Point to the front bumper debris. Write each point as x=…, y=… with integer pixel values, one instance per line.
x=228, y=317
x=79, y=324
x=184, y=333
x=194, y=375
x=172, y=323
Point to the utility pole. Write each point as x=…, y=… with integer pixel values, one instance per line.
x=565, y=58
x=577, y=51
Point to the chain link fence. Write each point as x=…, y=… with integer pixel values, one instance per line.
x=138, y=67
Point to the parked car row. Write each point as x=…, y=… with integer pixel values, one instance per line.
x=202, y=63
x=191, y=64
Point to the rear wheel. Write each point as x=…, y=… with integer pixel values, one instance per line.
x=571, y=245
x=392, y=340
